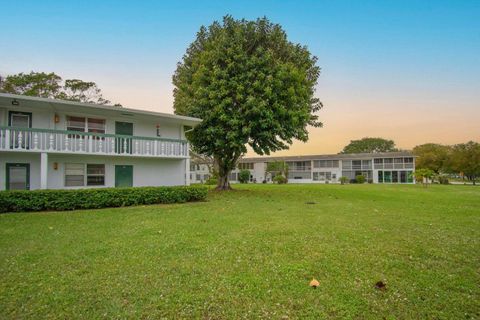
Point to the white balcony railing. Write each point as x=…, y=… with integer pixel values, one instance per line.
x=46, y=140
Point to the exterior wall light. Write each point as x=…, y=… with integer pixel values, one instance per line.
x=55, y=166
x=56, y=118
x=15, y=102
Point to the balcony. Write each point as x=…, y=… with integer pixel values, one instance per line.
x=74, y=142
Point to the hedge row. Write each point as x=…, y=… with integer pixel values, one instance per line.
x=40, y=200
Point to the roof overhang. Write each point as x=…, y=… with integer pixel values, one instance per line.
x=57, y=105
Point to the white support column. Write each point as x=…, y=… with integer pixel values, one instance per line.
x=311, y=170
x=187, y=171
x=7, y=139
x=43, y=170
x=187, y=167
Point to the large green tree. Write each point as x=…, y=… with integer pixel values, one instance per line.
x=83, y=91
x=465, y=159
x=51, y=85
x=251, y=86
x=37, y=84
x=369, y=145
x=432, y=156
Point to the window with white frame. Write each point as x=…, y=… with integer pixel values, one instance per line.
x=325, y=163
x=96, y=125
x=95, y=174
x=76, y=124
x=408, y=163
x=366, y=164
x=80, y=174
x=378, y=163
x=388, y=163
x=323, y=176
x=74, y=174
x=299, y=165
x=245, y=166
x=83, y=124
x=356, y=164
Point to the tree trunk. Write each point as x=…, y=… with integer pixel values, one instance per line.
x=224, y=165
x=223, y=183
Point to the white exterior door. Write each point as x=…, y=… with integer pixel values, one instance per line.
x=20, y=138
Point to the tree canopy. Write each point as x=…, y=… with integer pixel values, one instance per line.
x=369, y=145
x=424, y=175
x=465, y=159
x=37, y=84
x=431, y=156
x=250, y=85
x=51, y=85
x=278, y=167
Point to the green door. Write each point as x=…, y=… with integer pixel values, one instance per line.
x=123, y=176
x=18, y=176
x=123, y=144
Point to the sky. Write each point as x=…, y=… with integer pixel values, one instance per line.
x=402, y=70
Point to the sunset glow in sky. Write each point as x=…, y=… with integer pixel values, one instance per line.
x=403, y=70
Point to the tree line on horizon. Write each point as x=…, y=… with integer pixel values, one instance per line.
x=50, y=85
x=432, y=159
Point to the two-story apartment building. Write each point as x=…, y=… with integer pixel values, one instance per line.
x=388, y=167
x=199, y=172
x=56, y=144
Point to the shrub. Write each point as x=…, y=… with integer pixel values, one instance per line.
x=244, y=176
x=360, y=178
x=40, y=200
x=212, y=181
x=443, y=180
x=370, y=181
x=280, y=179
x=352, y=181
x=343, y=180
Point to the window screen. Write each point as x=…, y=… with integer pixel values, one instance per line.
x=96, y=125
x=95, y=174
x=75, y=124
x=74, y=174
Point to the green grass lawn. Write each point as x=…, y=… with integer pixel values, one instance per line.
x=251, y=253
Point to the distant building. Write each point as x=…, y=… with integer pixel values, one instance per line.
x=388, y=167
x=199, y=172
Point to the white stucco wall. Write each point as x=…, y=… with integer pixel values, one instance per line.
x=3, y=115
x=44, y=119
x=40, y=118
x=146, y=171
x=259, y=171
x=16, y=157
